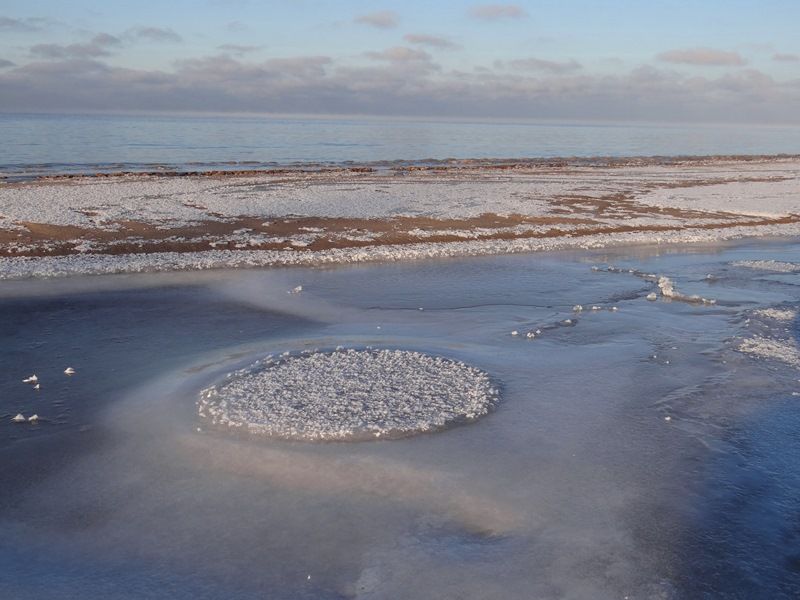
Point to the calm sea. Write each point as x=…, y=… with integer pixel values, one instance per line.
x=33, y=143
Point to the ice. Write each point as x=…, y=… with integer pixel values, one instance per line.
x=97, y=264
x=768, y=265
x=667, y=287
x=350, y=394
x=776, y=313
x=773, y=349
x=602, y=473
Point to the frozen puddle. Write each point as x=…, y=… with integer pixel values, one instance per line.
x=349, y=395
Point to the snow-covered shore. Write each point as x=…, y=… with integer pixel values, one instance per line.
x=147, y=223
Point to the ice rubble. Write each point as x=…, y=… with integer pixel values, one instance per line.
x=764, y=347
x=85, y=264
x=348, y=394
x=768, y=265
x=776, y=313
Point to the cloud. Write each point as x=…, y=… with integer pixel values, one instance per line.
x=431, y=41
x=494, y=12
x=538, y=64
x=703, y=57
x=399, y=54
x=21, y=25
x=236, y=26
x=780, y=57
x=154, y=34
x=99, y=46
x=238, y=49
x=5, y=64
x=397, y=84
x=382, y=19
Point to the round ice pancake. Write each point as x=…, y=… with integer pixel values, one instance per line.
x=349, y=395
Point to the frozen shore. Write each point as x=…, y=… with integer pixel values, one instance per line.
x=136, y=223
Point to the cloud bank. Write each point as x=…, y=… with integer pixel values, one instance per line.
x=397, y=81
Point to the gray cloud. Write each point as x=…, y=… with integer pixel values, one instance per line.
x=397, y=86
x=5, y=64
x=703, y=57
x=21, y=25
x=382, y=19
x=100, y=45
x=781, y=57
x=431, y=41
x=538, y=64
x=493, y=12
x=154, y=34
x=238, y=49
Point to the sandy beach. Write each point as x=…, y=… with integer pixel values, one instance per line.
x=153, y=222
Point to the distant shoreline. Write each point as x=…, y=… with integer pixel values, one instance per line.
x=238, y=168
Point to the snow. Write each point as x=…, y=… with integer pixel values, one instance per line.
x=460, y=193
x=349, y=395
x=774, y=198
x=565, y=199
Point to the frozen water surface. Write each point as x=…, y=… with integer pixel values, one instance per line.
x=640, y=452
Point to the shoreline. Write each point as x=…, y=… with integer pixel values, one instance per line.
x=48, y=267
x=148, y=223
x=146, y=170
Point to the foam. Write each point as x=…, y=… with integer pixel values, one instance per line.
x=349, y=395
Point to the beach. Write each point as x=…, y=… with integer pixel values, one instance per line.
x=59, y=225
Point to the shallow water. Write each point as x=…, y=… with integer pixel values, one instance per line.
x=574, y=486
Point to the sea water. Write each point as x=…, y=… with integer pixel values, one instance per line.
x=634, y=450
x=43, y=144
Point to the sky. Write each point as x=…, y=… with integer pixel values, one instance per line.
x=623, y=60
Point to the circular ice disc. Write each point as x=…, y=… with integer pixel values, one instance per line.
x=349, y=394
